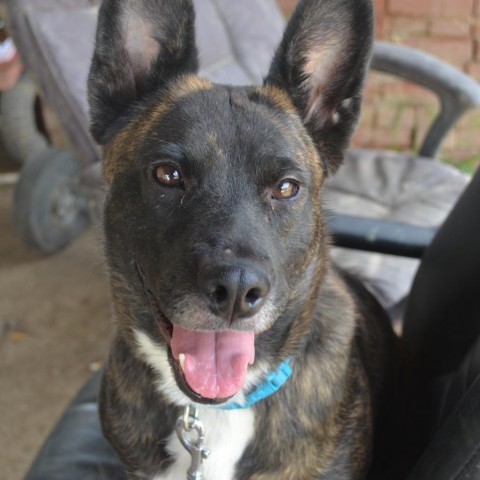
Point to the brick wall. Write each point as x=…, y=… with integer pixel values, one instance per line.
x=396, y=114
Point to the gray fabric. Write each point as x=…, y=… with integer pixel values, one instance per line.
x=255, y=29
x=402, y=188
x=65, y=39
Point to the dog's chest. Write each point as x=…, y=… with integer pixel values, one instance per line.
x=227, y=433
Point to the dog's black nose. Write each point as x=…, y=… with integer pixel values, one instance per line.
x=234, y=291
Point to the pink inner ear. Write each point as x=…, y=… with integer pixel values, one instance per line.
x=320, y=68
x=140, y=45
x=320, y=64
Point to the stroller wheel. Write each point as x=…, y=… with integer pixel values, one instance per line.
x=20, y=131
x=49, y=210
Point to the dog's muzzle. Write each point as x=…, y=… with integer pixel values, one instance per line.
x=208, y=365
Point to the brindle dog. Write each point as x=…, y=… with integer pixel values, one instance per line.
x=218, y=252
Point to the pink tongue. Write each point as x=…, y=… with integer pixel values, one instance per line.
x=215, y=362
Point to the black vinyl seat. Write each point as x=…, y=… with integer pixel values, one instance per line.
x=76, y=448
x=442, y=333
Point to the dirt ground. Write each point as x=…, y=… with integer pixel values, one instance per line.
x=54, y=331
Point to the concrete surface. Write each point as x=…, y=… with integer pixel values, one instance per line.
x=54, y=330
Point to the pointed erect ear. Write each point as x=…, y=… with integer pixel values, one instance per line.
x=140, y=45
x=321, y=63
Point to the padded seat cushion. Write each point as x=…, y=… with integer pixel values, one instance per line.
x=401, y=188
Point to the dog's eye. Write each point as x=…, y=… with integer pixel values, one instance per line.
x=285, y=190
x=168, y=175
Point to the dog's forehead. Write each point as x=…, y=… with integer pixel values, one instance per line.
x=254, y=121
x=226, y=119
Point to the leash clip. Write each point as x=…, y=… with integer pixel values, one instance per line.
x=188, y=427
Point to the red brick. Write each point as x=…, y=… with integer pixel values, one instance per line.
x=464, y=141
x=397, y=28
x=463, y=8
x=370, y=92
x=454, y=51
x=447, y=29
x=459, y=154
x=380, y=7
x=287, y=6
x=424, y=117
x=432, y=8
x=468, y=139
x=473, y=69
x=367, y=115
x=476, y=7
x=411, y=7
x=363, y=135
x=378, y=80
x=475, y=28
x=380, y=11
x=425, y=114
x=413, y=94
x=392, y=139
x=374, y=86
x=362, y=138
x=394, y=115
x=450, y=144
x=472, y=161
x=471, y=120
x=450, y=28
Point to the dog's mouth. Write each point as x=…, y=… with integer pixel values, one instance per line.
x=209, y=366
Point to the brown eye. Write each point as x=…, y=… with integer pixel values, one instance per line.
x=285, y=190
x=168, y=175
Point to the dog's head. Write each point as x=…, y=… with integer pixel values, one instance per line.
x=213, y=222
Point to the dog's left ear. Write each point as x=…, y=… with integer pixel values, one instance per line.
x=321, y=62
x=140, y=46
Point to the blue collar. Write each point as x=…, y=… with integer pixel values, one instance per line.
x=272, y=383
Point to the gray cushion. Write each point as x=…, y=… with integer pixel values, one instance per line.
x=402, y=188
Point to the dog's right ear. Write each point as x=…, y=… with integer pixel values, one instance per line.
x=321, y=63
x=140, y=46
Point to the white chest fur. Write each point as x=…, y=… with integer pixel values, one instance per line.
x=227, y=432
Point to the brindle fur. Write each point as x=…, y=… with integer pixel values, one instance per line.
x=146, y=103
